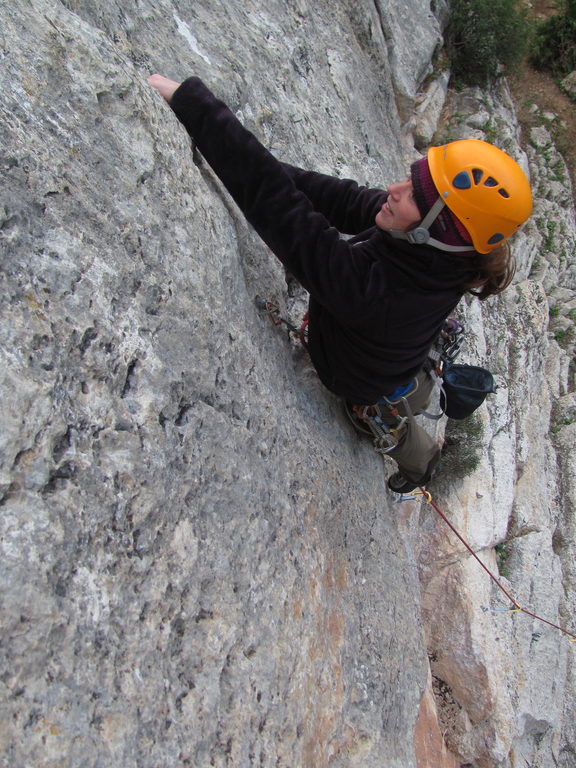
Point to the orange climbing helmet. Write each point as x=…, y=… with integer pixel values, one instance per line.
x=483, y=187
x=471, y=195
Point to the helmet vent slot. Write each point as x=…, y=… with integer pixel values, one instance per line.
x=477, y=173
x=503, y=193
x=490, y=182
x=462, y=180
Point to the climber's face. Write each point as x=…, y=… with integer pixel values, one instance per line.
x=400, y=211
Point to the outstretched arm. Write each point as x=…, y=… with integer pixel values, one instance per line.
x=346, y=205
x=335, y=273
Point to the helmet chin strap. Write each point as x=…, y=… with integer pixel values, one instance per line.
x=420, y=235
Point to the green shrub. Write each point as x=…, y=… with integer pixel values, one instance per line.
x=503, y=553
x=564, y=337
x=554, y=47
x=462, y=446
x=485, y=38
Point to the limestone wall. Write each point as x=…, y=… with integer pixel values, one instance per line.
x=200, y=565
x=505, y=682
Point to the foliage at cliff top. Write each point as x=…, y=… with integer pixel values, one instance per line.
x=554, y=48
x=485, y=38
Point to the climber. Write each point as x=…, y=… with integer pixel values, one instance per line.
x=378, y=299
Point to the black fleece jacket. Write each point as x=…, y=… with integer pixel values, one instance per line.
x=376, y=304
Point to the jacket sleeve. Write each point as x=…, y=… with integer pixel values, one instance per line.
x=346, y=205
x=335, y=273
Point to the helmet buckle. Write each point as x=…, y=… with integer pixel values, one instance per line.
x=418, y=236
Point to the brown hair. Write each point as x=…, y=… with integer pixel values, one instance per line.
x=495, y=271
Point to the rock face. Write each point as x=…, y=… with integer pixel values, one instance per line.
x=569, y=84
x=199, y=563
x=505, y=683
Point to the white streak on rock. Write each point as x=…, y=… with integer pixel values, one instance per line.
x=186, y=33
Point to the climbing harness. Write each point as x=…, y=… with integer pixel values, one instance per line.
x=386, y=437
x=516, y=607
x=370, y=419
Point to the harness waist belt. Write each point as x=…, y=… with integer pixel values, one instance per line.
x=398, y=392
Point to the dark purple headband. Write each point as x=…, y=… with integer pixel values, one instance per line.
x=446, y=227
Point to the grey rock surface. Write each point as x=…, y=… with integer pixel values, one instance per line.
x=569, y=84
x=412, y=32
x=198, y=563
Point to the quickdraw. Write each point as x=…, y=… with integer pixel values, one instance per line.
x=269, y=309
x=385, y=438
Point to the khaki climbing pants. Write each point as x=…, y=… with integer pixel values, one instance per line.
x=416, y=453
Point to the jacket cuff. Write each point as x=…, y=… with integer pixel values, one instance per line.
x=186, y=102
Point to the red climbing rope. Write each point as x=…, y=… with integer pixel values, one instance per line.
x=517, y=608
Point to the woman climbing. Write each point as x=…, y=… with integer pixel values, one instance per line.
x=378, y=300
